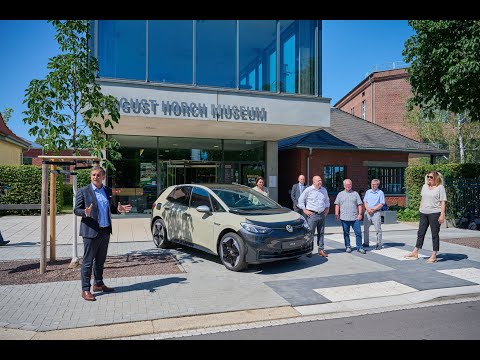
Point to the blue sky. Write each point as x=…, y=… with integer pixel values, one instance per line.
x=351, y=49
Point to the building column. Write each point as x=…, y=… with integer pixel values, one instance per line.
x=271, y=171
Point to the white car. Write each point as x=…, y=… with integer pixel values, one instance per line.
x=238, y=224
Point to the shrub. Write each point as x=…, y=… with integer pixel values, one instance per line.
x=25, y=187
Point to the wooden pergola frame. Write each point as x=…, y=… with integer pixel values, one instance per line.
x=52, y=161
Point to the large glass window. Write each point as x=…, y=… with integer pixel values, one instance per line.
x=216, y=53
x=391, y=179
x=333, y=177
x=170, y=51
x=306, y=56
x=288, y=61
x=257, y=44
x=122, y=49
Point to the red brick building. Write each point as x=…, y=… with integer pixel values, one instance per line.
x=30, y=157
x=380, y=98
x=350, y=148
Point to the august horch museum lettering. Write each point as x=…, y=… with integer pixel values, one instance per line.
x=194, y=110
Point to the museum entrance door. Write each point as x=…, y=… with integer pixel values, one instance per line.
x=175, y=172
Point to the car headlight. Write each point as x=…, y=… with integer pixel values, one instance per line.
x=255, y=228
x=305, y=223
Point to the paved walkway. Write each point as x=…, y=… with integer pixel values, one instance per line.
x=207, y=297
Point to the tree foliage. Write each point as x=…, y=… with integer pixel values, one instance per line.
x=67, y=109
x=445, y=66
x=460, y=135
x=7, y=114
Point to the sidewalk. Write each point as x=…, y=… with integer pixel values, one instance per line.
x=207, y=297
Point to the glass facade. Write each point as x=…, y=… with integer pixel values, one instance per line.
x=150, y=164
x=254, y=55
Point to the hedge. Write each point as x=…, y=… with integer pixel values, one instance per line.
x=415, y=178
x=25, y=187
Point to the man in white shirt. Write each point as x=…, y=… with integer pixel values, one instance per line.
x=315, y=204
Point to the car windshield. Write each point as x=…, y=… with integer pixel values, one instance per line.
x=245, y=199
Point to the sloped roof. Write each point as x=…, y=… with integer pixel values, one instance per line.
x=7, y=135
x=349, y=132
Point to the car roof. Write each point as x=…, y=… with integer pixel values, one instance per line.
x=218, y=186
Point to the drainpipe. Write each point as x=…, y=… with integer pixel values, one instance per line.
x=308, y=165
x=371, y=99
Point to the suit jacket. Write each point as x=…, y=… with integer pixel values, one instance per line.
x=89, y=226
x=295, y=195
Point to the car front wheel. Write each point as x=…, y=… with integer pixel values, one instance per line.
x=159, y=233
x=232, y=252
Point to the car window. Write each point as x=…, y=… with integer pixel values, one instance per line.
x=200, y=197
x=216, y=205
x=245, y=199
x=180, y=195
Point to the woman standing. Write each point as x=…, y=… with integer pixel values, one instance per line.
x=259, y=182
x=432, y=213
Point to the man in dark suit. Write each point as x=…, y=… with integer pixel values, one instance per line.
x=297, y=190
x=94, y=204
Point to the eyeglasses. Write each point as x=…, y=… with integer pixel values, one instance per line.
x=429, y=177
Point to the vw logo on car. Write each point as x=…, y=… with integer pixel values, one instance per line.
x=240, y=225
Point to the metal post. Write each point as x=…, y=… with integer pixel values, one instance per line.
x=75, y=261
x=43, y=227
x=53, y=198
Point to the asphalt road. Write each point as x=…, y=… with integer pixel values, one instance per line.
x=441, y=322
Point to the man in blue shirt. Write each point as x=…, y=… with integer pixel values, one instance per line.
x=94, y=204
x=374, y=200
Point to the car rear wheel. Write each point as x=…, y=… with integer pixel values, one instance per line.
x=232, y=252
x=159, y=232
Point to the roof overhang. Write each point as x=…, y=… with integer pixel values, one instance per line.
x=214, y=113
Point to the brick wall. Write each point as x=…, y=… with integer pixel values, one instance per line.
x=391, y=90
x=293, y=162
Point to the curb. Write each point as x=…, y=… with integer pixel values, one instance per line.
x=248, y=319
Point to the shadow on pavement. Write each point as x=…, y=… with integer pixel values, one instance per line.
x=451, y=257
x=151, y=286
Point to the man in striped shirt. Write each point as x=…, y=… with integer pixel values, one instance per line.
x=348, y=208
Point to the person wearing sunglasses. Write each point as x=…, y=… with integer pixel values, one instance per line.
x=432, y=213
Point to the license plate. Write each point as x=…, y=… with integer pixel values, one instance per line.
x=290, y=244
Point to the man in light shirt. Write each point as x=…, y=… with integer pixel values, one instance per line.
x=315, y=204
x=374, y=200
x=348, y=208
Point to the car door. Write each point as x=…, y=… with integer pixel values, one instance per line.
x=174, y=212
x=200, y=225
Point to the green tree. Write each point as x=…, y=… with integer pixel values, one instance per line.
x=459, y=134
x=7, y=114
x=67, y=109
x=445, y=67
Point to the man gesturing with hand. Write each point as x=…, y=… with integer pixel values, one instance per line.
x=94, y=204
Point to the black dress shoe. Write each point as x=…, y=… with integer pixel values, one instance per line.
x=103, y=288
x=365, y=245
x=87, y=295
x=5, y=242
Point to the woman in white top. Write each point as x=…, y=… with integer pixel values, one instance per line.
x=432, y=212
x=259, y=182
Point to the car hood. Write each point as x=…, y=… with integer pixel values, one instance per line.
x=276, y=218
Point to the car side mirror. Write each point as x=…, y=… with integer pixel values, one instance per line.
x=203, y=209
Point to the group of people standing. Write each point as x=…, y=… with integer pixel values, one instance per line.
x=314, y=204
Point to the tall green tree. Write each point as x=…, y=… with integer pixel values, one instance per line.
x=67, y=109
x=459, y=134
x=445, y=67
x=7, y=114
